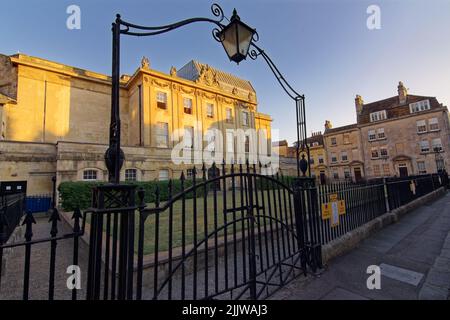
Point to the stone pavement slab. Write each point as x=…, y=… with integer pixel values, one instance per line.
x=418, y=243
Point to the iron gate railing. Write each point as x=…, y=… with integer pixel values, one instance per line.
x=365, y=201
x=11, y=212
x=240, y=234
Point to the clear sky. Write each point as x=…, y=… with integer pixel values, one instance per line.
x=323, y=47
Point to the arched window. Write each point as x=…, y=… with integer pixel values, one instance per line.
x=130, y=175
x=90, y=174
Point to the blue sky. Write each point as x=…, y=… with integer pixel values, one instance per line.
x=323, y=47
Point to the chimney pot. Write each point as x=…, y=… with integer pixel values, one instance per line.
x=402, y=93
x=359, y=102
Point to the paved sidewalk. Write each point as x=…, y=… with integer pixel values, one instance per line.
x=12, y=282
x=414, y=255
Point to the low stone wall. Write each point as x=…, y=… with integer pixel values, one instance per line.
x=351, y=239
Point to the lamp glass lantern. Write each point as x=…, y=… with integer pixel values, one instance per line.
x=236, y=38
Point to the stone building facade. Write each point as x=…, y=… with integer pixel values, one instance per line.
x=344, y=153
x=55, y=118
x=404, y=135
x=318, y=157
x=398, y=136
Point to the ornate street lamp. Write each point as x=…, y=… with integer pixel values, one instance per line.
x=238, y=40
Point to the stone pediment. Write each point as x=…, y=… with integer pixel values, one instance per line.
x=401, y=157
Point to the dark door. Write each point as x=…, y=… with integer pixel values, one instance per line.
x=322, y=177
x=358, y=175
x=403, y=171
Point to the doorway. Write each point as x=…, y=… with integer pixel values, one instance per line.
x=358, y=175
x=403, y=170
x=322, y=177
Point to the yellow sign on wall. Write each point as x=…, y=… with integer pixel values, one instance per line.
x=326, y=211
x=333, y=209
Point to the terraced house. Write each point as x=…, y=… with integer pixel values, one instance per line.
x=54, y=118
x=344, y=152
x=404, y=134
x=398, y=136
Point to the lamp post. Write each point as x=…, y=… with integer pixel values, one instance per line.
x=239, y=41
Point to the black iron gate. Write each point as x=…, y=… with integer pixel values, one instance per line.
x=240, y=234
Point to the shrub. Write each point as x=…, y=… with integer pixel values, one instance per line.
x=79, y=193
x=76, y=194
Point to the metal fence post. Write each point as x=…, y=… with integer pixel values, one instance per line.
x=386, y=195
x=299, y=223
x=119, y=201
x=2, y=235
x=251, y=235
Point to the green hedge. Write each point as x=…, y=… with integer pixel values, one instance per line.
x=78, y=194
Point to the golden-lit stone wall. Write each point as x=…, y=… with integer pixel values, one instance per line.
x=66, y=110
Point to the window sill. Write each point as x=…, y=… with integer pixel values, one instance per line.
x=422, y=132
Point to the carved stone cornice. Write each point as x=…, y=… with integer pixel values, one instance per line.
x=209, y=96
x=186, y=90
x=228, y=101
x=161, y=84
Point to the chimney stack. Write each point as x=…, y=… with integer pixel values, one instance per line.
x=402, y=93
x=328, y=124
x=359, y=102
